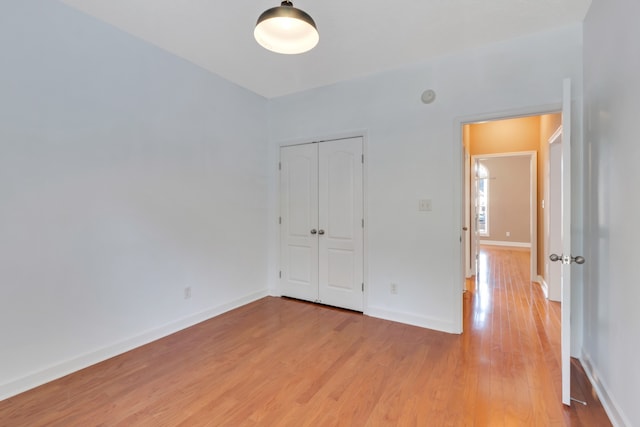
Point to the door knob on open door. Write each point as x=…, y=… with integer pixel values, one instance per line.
x=567, y=259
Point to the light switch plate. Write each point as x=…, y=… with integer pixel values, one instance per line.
x=424, y=205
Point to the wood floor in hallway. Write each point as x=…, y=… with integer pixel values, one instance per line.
x=282, y=362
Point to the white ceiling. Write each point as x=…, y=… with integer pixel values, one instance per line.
x=357, y=37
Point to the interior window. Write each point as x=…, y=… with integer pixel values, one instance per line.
x=482, y=199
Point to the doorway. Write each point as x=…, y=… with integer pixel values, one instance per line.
x=504, y=137
x=322, y=222
x=565, y=118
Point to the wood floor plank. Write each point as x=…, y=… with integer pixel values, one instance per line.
x=282, y=362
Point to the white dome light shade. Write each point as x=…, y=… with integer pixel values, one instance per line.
x=285, y=29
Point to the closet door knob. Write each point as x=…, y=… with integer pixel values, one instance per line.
x=321, y=232
x=313, y=231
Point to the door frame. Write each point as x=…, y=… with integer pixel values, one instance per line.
x=365, y=203
x=458, y=188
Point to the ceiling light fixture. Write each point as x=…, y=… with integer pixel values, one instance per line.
x=285, y=29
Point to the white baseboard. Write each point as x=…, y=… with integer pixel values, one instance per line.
x=274, y=292
x=616, y=416
x=412, y=319
x=543, y=286
x=59, y=370
x=505, y=243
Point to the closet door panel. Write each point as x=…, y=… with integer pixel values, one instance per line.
x=299, y=221
x=340, y=215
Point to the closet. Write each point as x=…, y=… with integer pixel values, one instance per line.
x=322, y=223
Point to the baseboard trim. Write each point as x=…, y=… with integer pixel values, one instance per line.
x=543, y=286
x=616, y=416
x=412, y=319
x=505, y=243
x=62, y=369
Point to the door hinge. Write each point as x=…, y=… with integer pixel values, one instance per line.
x=363, y=159
x=280, y=274
x=279, y=220
x=279, y=166
x=363, y=287
x=362, y=222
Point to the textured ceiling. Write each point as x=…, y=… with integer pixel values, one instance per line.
x=357, y=37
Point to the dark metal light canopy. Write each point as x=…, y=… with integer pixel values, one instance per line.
x=285, y=29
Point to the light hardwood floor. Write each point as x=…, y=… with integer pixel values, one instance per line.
x=281, y=362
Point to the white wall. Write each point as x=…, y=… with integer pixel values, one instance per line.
x=612, y=108
x=126, y=175
x=413, y=152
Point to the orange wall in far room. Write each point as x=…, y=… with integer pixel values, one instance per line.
x=505, y=136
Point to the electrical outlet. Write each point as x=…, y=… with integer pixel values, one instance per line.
x=187, y=292
x=508, y=234
x=394, y=288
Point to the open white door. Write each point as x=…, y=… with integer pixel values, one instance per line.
x=341, y=224
x=565, y=235
x=299, y=220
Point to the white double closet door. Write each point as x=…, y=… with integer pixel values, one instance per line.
x=321, y=229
